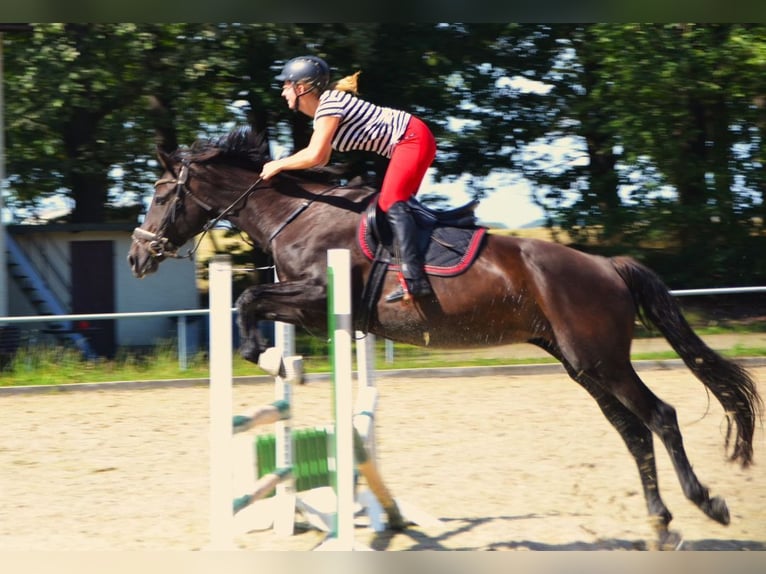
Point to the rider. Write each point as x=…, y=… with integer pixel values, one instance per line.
x=344, y=122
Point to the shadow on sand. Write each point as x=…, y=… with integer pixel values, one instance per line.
x=420, y=540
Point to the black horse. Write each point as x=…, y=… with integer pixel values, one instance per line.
x=580, y=308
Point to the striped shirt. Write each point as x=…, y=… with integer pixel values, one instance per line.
x=363, y=126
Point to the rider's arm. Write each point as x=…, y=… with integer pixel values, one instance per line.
x=316, y=154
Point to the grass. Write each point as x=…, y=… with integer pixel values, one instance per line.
x=57, y=365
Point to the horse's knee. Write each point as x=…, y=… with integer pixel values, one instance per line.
x=664, y=422
x=251, y=341
x=245, y=299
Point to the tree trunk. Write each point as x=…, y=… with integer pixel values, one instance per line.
x=687, y=174
x=89, y=191
x=603, y=180
x=87, y=176
x=720, y=161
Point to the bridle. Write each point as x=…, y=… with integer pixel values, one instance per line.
x=158, y=244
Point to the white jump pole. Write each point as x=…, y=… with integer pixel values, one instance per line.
x=284, y=501
x=367, y=394
x=221, y=397
x=339, y=311
x=279, y=510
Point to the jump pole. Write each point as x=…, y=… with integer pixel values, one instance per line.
x=284, y=501
x=221, y=398
x=350, y=438
x=222, y=449
x=279, y=510
x=340, y=331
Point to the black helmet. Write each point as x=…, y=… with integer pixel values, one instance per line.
x=307, y=69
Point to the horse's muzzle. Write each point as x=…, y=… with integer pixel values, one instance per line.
x=157, y=245
x=147, y=251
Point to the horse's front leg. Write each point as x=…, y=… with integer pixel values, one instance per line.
x=294, y=302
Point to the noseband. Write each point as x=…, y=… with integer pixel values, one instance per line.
x=158, y=245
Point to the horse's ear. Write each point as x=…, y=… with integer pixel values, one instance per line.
x=164, y=158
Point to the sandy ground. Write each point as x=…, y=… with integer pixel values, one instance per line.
x=506, y=462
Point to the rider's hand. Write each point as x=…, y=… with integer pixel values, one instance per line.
x=270, y=169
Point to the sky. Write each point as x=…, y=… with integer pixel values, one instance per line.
x=509, y=204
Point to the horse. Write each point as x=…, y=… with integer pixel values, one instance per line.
x=580, y=308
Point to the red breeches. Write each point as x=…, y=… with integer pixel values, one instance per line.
x=411, y=158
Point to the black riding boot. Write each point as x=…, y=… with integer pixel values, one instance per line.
x=405, y=242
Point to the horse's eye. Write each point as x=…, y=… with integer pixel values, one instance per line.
x=161, y=199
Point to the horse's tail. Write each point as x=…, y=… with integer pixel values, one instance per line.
x=731, y=384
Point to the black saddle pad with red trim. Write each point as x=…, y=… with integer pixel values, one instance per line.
x=448, y=247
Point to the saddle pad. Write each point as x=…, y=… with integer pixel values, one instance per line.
x=450, y=250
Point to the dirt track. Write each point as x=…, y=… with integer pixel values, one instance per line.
x=506, y=462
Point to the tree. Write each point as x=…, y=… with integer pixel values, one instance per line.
x=61, y=94
x=684, y=103
x=439, y=73
x=85, y=99
x=657, y=110
x=95, y=94
x=662, y=125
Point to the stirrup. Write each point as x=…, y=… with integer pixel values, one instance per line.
x=403, y=291
x=397, y=295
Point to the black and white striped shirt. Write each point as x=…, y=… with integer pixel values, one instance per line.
x=363, y=125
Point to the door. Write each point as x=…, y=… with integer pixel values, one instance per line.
x=93, y=291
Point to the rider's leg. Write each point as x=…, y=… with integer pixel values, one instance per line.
x=410, y=159
x=405, y=242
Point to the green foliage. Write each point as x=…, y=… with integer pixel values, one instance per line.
x=88, y=102
x=631, y=134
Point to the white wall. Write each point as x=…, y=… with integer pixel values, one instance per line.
x=173, y=287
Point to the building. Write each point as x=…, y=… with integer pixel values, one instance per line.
x=62, y=268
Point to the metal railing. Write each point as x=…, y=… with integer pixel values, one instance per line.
x=182, y=314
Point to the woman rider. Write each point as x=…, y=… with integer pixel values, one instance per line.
x=344, y=122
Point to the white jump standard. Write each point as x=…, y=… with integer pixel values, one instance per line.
x=349, y=443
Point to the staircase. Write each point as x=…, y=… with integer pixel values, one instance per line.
x=39, y=294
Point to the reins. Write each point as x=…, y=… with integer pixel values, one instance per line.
x=216, y=220
x=158, y=243
x=300, y=209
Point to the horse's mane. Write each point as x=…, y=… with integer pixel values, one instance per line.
x=249, y=148
x=242, y=146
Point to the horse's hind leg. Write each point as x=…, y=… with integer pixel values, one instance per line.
x=638, y=439
x=665, y=424
x=661, y=419
x=636, y=436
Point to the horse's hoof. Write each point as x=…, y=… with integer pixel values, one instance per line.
x=716, y=509
x=250, y=352
x=669, y=540
x=396, y=522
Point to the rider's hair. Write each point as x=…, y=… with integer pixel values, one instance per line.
x=347, y=84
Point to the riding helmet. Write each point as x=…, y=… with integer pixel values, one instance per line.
x=307, y=69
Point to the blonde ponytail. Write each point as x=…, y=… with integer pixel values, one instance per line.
x=347, y=84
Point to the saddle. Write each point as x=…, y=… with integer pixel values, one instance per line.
x=448, y=240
